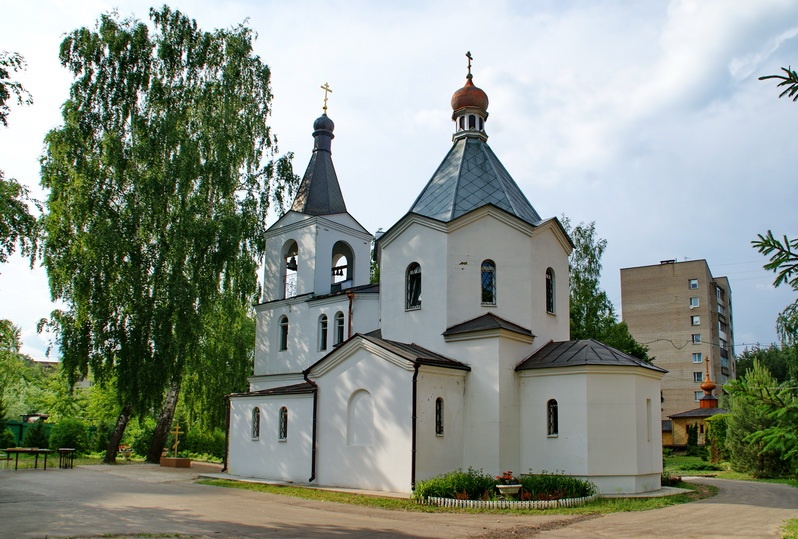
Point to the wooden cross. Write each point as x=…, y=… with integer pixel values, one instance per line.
x=468, y=55
x=176, y=432
x=327, y=89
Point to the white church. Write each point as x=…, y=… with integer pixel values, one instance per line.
x=459, y=357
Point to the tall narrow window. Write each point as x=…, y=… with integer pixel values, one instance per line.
x=291, y=252
x=413, y=299
x=488, y=282
x=439, y=416
x=283, y=432
x=339, y=327
x=551, y=418
x=323, y=332
x=550, y=290
x=255, y=423
x=283, y=333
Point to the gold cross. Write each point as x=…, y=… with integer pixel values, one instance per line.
x=468, y=55
x=177, y=432
x=327, y=89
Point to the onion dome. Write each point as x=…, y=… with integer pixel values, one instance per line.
x=323, y=123
x=470, y=96
x=708, y=386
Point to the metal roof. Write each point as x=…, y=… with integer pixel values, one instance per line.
x=578, y=353
x=319, y=193
x=414, y=353
x=484, y=322
x=471, y=176
x=296, y=389
x=698, y=412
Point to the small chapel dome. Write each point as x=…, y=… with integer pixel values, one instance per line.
x=323, y=123
x=708, y=386
x=470, y=96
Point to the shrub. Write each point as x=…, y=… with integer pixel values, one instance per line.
x=545, y=486
x=717, y=427
x=203, y=443
x=140, y=436
x=667, y=452
x=70, y=433
x=7, y=438
x=99, y=441
x=700, y=467
x=36, y=436
x=469, y=485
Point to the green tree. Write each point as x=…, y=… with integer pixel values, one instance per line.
x=784, y=263
x=761, y=433
x=789, y=81
x=781, y=361
x=160, y=180
x=19, y=375
x=17, y=225
x=592, y=313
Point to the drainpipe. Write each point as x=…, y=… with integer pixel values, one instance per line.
x=415, y=410
x=351, y=297
x=313, y=429
x=226, y=433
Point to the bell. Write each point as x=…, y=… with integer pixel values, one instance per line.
x=291, y=264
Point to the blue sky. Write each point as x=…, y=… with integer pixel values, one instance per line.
x=645, y=117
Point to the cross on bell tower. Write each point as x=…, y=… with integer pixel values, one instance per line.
x=327, y=89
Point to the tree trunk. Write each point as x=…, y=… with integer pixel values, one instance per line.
x=161, y=432
x=116, y=435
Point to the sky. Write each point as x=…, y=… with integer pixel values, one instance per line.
x=645, y=117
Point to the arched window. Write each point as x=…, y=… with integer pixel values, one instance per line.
x=323, y=332
x=550, y=291
x=255, y=423
x=413, y=287
x=290, y=253
x=439, y=416
x=551, y=418
x=472, y=121
x=360, y=419
x=283, y=345
x=282, y=434
x=342, y=266
x=488, y=282
x=339, y=327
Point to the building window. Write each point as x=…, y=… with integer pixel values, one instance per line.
x=283, y=333
x=697, y=357
x=698, y=376
x=723, y=343
x=339, y=327
x=721, y=309
x=413, y=277
x=693, y=284
x=488, y=282
x=722, y=327
x=323, y=332
x=439, y=416
x=693, y=303
x=552, y=426
x=695, y=320
x=720, y=294
x=255, y=423
x=550, y=290
x=697, y=395
x=282, y=434
x=696, y=338
x=291, y=252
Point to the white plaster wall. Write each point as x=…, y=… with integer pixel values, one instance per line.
x=267, y=457
x=303, y=330
x=328, y=234
x=440, y=454
x=384, y=464
x=427, y=246
x=604, y=432
x=548, y=252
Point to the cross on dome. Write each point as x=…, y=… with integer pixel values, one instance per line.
x=327, y=89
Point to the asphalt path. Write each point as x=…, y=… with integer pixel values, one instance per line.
x=147, y=500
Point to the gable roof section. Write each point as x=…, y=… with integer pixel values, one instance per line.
x=698, y=412
x=486, y=322
x=469, y=177
x=579, y=353
x=418, y=355
x=296, y=389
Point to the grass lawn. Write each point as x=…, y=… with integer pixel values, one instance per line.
x=790, y=529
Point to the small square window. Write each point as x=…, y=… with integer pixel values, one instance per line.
x=697, y=395
x=698, y=376
x=693, y=303
x=693, y=284
x=695, y=320
x=697, y=357
x=696, y=338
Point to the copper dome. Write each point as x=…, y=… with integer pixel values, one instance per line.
x=469, y=96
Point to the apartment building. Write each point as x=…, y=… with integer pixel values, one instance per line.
x=684, y=315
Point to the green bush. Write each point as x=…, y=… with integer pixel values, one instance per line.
x=70, y=433
x=717, y=427
x=465, y=485
x=667, y=452
x=139, y=436
x=36, y=436
x=7, y=438
x=700, y=466
x=545, y=486
x=99, y=441
x=203, y=443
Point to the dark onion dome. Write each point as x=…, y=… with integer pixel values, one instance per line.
x=323, y=123
x=469, y=96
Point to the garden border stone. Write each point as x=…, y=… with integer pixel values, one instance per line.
x=508, y=504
